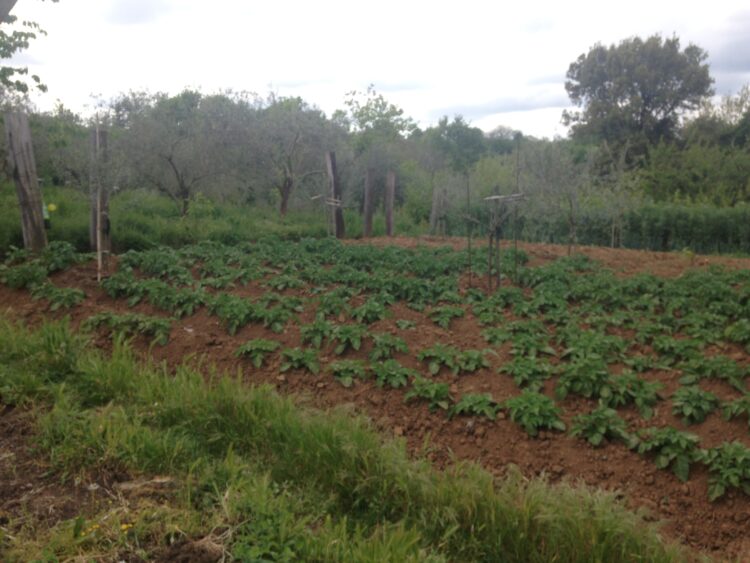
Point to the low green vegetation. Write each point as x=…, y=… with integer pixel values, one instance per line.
x=289, y=482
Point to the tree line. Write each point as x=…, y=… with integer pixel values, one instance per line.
x=645, y=130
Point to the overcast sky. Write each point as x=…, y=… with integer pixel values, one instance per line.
x=495, y=63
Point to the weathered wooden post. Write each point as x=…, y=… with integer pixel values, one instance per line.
x=390, y=196
x=334, y=201
x=368, y=205
x=99, y=231
x=23, y=172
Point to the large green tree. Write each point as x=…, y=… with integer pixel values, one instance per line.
x=636, y=91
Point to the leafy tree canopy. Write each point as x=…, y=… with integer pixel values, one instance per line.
x=462, y=144
x=636, y=90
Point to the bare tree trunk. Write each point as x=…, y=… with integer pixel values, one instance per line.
x=184, y=203
x=368, y=205
x=286, y=192
x=335, y=195
x=5, y=7
x=390, y=196
x=23, y=172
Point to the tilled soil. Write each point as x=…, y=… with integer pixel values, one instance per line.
x=716, y=528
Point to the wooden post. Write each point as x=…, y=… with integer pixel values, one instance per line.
x=99, y=233
x=390, y=196
x=368, y=205
x=23, y=172
x=337, y=213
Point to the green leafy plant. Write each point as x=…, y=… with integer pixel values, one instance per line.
x=676, y=350
x=276, y=318
x=739, y=332
x=405, y=324
x=348, y=337
x=25, y=275
x=469, y=361
x=442, y=316
x=531, y=345
x=283, y=281
x=370, y=311
x=713, y=367
x=581, y=344
x=475, y=404
x=528, y=372
x=728, y=468
x=641, y=363
x=289, y=303
x=58, y=297
x=738, y=407
x=671, y=448
x=132, y=324
x=693, y=403
x=436, y=394
x=234, y=312
x=600, y=424
x=587, y=377
x=438, y=356
x=297, y=358
x=391, y=373
x=627, y=388
x=385, y=345
x=346, y=371
x=333, y=303
x=533, y=412
x=316, y=332
x=257, y=350
x=59, y=255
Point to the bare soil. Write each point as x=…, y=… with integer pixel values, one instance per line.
x=717, y=528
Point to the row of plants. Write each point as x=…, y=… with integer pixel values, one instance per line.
x=728, y=464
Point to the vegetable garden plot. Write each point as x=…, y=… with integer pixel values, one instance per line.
x=635, y=383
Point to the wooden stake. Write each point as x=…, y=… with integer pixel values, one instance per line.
x=99, y=232
x=23, y=172
x=390, y=196
x=337, y=214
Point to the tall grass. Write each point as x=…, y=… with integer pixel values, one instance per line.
x=348, y=494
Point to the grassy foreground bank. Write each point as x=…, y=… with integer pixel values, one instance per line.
x=265, y=479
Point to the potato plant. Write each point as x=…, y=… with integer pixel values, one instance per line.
x=603, y=423
x=391, y=373
x=476, y=405
x=728, y=468
x=257, y=350
x=693, y=404
x=436, y=394
x=671, y=449
x=302, y=359
x=346, y=371
x=534, y=412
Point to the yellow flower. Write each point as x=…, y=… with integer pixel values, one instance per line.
x=52, y=208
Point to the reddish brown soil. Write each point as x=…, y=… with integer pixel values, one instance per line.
x=621, y=260
x=719, y=528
